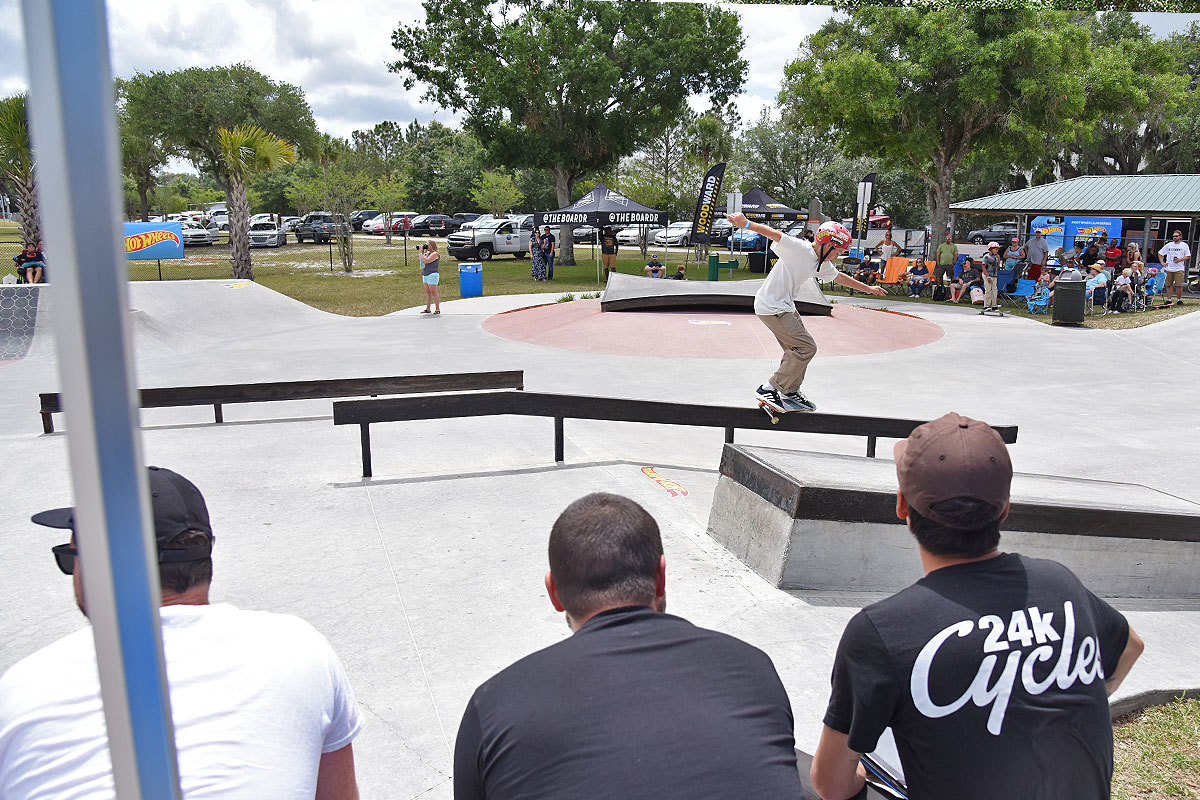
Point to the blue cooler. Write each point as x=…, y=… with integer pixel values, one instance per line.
x=470, y=279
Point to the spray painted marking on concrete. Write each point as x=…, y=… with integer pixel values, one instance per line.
x=709, y=322
x=674, y=489
x=235, y=285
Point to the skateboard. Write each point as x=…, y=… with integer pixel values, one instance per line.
x=991, y=312
x=775, y=412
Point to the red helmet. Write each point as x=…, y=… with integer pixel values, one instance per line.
x=833, y=233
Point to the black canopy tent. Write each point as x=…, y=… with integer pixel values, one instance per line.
x=760, y=206
x=599, y=207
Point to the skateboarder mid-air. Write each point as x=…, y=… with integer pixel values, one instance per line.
x=774, y=303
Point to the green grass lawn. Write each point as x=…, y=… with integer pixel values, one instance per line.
x=383, y=282
x=1157, y=753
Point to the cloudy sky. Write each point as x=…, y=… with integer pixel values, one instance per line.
x=337, y=52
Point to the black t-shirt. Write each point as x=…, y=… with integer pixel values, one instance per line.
x=991, y=676
x=547, y=241
x=608, y=244
x=637, y=703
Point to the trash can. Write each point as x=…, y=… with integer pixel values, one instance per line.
x=1069, y=299
x=470, y=279
x=757, y=262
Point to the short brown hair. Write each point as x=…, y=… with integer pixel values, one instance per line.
x=604, y=552
x=180, y=576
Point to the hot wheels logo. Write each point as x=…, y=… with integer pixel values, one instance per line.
x=142, y=241
x=674, y=489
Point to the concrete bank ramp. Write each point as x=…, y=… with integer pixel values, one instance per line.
x=171, y=317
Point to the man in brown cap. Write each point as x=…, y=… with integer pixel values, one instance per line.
x=993, y=671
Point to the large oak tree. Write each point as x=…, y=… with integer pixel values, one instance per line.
x=569, y=86
x=925, y=88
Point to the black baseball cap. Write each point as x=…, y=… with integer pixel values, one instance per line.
x=177, y=506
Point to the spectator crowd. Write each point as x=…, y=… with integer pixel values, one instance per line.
x=637, y=702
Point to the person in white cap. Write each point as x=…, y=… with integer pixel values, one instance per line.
x=993, y=671
x=261, y=706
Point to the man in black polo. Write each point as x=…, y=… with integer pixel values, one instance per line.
x=993, y=671
x=638, y=702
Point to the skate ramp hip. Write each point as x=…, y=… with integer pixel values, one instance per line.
x=19, y=320
x=634, y=292
x=582, y=326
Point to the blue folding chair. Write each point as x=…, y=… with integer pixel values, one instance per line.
x=1039, y=302
x=1024, y=291
x=958, y=264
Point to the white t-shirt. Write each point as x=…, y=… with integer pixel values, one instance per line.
x=1171, y=251
x=1037, y=249
x=887, y=250
x=256, y=698
x=796, y=266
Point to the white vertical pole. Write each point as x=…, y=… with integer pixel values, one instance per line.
x=74, y=133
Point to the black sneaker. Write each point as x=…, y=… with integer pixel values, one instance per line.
x=799, y=401
x=768, y=395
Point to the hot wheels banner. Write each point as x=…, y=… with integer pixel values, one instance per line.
x=149, y=241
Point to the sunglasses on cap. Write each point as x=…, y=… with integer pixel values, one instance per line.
x=65, y=555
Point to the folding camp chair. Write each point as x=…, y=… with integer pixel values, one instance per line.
x=1096, y=300
x=1024, y=291
x=1039, y=302
x=893, y=275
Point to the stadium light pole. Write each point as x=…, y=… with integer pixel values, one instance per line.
x=74, y=134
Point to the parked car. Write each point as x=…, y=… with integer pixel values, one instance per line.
x=261, y=218
x=722, y=229
x=630, y=235
x=434, y=225
x=676, y=234
x=582, y=234
x=475, y=223
x=320, y=226
x=194, y=233
x=748, y=241
x=290, y=223
x=360, y=218
x=267, y=234
x=1000, y=232
x=495, y=236
x=464, y=217
x=220, y=217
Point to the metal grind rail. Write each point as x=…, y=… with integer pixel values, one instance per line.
x=561, y=407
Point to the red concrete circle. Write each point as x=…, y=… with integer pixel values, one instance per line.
x=582, y=327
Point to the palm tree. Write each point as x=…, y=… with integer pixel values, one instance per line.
x=16, y=159
x=246, y=150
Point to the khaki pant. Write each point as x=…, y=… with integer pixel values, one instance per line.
x=609, y=260
x=989, y=292
x=799, y=348
x=1174, y=278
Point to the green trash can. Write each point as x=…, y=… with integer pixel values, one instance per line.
x=714, y=264
x=1069, y=299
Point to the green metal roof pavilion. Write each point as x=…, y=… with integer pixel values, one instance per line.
x=1107, y=195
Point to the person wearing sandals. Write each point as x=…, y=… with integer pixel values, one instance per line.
x=430, y=261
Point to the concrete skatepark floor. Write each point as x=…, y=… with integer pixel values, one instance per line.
x=428, y=578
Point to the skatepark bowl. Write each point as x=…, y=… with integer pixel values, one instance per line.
x=428, y=577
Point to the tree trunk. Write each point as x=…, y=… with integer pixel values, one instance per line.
x=239, y=230
x=25, y=187
x=387, y=228
x=144, y=196
x=564, y=186
x=938, y=199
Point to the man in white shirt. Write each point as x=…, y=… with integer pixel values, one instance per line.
x=1174, y=257
x=260, y=703
x=775, y=302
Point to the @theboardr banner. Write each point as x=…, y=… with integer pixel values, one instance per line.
x=706, y=204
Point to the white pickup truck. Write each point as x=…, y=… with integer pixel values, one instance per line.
x=495, y=236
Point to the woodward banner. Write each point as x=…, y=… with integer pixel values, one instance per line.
x=706, y=204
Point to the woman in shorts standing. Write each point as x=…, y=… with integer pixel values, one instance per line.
x=430, y=261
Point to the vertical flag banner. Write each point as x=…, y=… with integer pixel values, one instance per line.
x=706, y=204
x=862, y=218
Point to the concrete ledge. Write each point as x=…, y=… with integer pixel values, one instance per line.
x=635, y=292
x=820, y=521
x=1143, y=700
